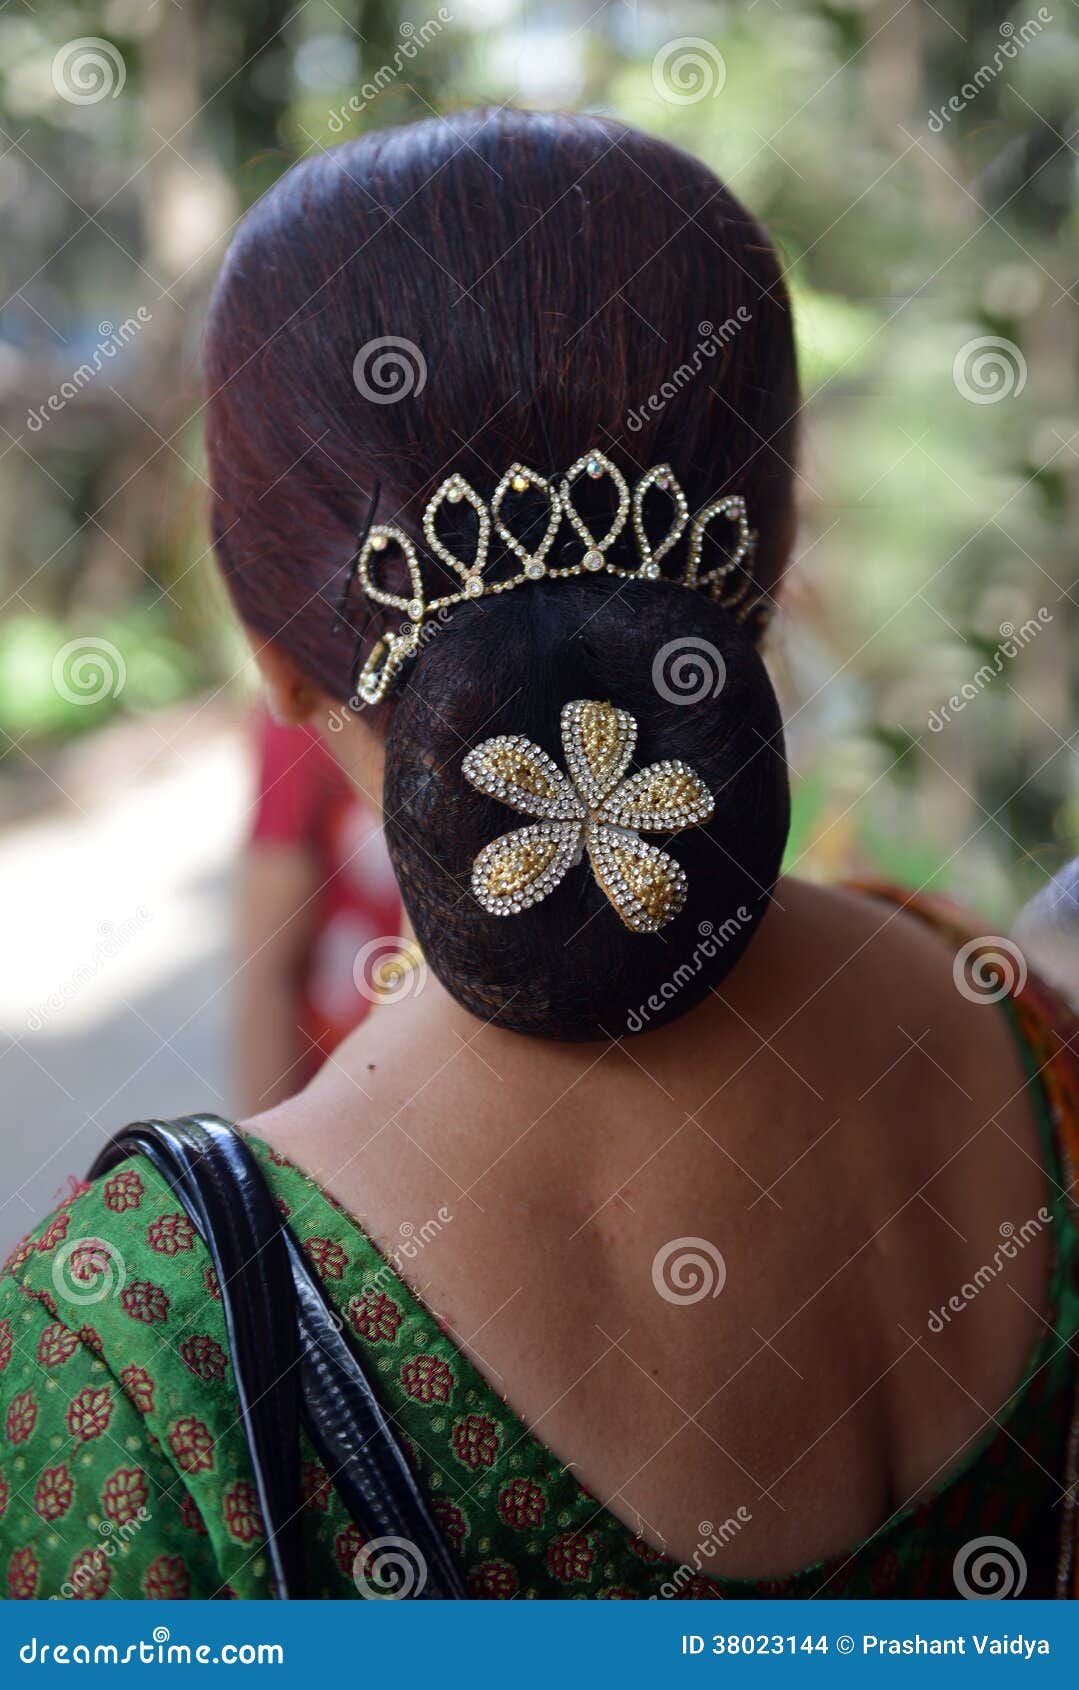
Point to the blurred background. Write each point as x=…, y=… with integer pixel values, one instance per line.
x=917, y=164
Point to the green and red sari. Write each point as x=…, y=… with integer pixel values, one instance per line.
x=124, y=1469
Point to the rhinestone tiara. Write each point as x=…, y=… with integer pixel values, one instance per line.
x=394, y=648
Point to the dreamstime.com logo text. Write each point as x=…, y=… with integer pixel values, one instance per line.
x=710, y=343
x=1013, y=1243
x=712, y=941
x=414, y=1240
x=114, y=337
x=155, y=1651
x=1012, y=641
x=337, y=720
x=1013, y=40
x=113, y=938
x=713, y=1539
x=89, y=1570
x=412, y=39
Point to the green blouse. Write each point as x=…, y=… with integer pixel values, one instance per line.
x=124, y=1470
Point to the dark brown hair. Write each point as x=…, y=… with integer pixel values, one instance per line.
x=535, y=285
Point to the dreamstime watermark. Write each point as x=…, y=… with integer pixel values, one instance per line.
x=412, y=40
x=708, y=346
x=1014, y=1242
x=414, y=1241
x=417, y=638
x=90, y=1564
x=989, y=968
x=389, y=1569
x=157, y=1650
x=688, y=70
x=989, y=1569
x=389, y=368
x=687, y=1270
x=113, y=340
x=688, y=670
x=87, y=670
x=1012, y=642
x=87, y=71
x=988, y=369
x=113, y=939
x=87, y=1270
x=387, y=969
x=1012, y=43
x=713, y=1538
x=712, y=940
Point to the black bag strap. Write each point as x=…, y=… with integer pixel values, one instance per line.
x=291, y=1359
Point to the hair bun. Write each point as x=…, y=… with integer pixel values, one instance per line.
x=568, y=965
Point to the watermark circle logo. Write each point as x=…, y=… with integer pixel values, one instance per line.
x=87, y=1270
x=88, y=70
x=688, y=70
x=988, y=369
x=389, y=368
x=687, y=1270
x=87, y=670
x=989, y=1569
x=386, y=970
x=688, y=670
x=389, y=1569
x=988, y=969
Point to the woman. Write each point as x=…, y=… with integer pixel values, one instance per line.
x=317, y=911
x=702, y=1238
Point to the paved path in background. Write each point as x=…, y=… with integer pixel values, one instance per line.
x=115, y=915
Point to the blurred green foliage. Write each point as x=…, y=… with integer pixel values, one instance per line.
x=917, y=168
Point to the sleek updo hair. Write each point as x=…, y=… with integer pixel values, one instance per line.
x=457, y=295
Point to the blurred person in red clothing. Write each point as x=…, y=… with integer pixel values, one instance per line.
x=318, y=910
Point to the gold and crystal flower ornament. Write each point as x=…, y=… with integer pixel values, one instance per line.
x=593, y=808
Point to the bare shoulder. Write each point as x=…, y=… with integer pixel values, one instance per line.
x=709, y=1251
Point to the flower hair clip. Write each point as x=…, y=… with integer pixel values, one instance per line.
x=592, y=808
x=530, y=541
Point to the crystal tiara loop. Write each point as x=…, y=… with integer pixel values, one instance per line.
x=393, y=649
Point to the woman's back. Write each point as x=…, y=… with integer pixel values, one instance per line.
x=840, y=1138
x=631, y=1350
x=731, y=1226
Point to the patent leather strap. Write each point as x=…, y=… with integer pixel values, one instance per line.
x=356, y=1443
x=292, y=1361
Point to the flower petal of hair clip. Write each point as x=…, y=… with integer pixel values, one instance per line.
x=594, y=807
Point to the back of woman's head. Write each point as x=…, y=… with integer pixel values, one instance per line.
x=457, y=296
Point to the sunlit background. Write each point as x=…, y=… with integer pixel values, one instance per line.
x=917, y=165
